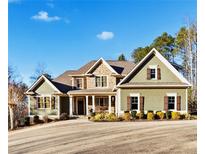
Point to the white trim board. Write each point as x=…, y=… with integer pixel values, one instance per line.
x=104, y=62
x=39, y=80
x=163, y=60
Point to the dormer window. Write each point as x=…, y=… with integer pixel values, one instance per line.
x=153, y=72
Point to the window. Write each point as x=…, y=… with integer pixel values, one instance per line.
x=102, y=101
x=47, y=102
x=53, y=102
x=134, y=103
x=171, y=102
x=79, y=83
x=40, y=102
x=153, y=73
x=101, y=81
x=43, y=102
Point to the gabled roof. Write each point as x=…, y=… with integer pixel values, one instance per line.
x=98, y=62
x=163, y=60
x=43, y=77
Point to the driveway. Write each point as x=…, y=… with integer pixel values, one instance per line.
x=82, y=136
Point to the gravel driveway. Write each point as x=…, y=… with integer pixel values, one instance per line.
x=82, y=136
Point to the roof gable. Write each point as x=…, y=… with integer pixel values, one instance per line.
x=96, y=64
x=175, y=76
x=38, y=83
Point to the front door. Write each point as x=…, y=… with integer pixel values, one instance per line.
x=80, y=107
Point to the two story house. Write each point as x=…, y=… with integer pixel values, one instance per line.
x=77, y=92
x=111, y=86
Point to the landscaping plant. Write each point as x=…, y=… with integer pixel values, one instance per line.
x=134, y=114
x=168, y=115
x=150, y=116
x=175, y=115
x=64, y=116
x=126, y=116
x=36, y=119
x=160, y=115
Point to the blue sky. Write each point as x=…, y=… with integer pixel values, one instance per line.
x=66, y=34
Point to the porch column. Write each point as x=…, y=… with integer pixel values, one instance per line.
x=109, y=103
x=116, y=105
x=59, y=107
x=71, y=105
x=29, y=104
x=86, y=104
x=93, y=103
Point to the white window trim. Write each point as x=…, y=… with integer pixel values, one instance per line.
x=101, y=79
x=154, y=67
x=50, y=96
x=175, y=100
x=136, y=95
x=81, y=82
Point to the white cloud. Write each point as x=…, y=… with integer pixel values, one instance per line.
x=105, y=35
x=43, y=16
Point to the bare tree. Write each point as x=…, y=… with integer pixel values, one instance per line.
x=40, y=70
x=15, y=95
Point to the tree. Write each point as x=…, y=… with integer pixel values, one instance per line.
x=165, y=44
x=40, y=70
x=122, y=57
x=139, y=53
x=15, y=95
x=186, y=44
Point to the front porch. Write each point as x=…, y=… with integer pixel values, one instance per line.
x=84, y=104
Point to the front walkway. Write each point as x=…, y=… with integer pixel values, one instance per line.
x=82, y=136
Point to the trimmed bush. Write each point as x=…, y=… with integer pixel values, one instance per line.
x=188, y=116
x=126, y=116
x=99, y=116
x=168, y=115
x=150, y=116
x=140, y=115
x=27, y=121
x=110, y=117
x=64, y=116
x=175, y=115
x=134, y=114
x=160, y=115
x=92, y=114
x=36, y=119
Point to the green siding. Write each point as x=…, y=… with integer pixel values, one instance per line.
x=36, y=111
x=166, y=74
x=44, y=88
x=153, y=98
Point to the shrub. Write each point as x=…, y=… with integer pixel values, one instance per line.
x=110, y=117
x=160, y=115
x=126, y=116
x=27, y=121
x=175, y=115
x=45, y=118
x=64, y=116
x=168, y=114
x=150, y=116
x=99, y=116
x=36, y=119
x=188, y=116
x=140, y=115
x=182, y=116
x=134, y=114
